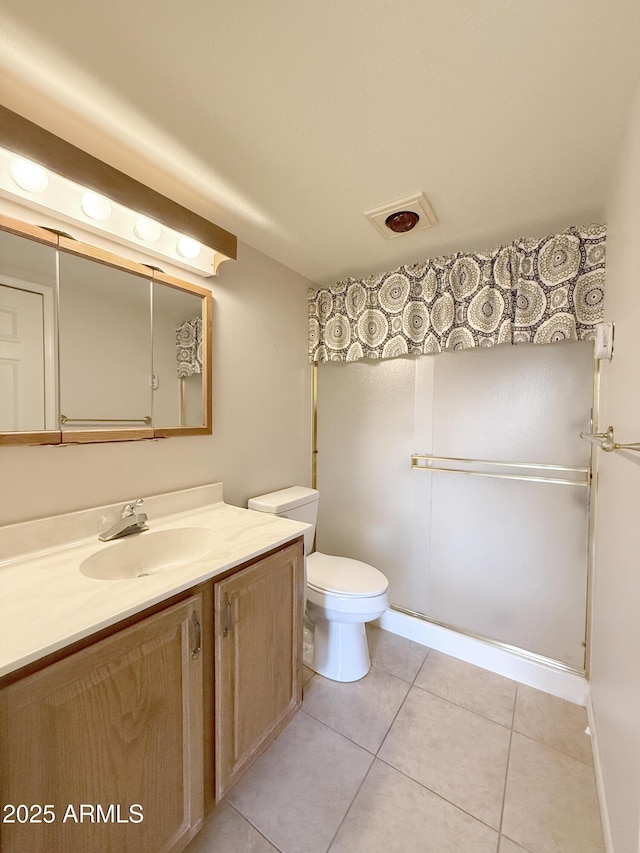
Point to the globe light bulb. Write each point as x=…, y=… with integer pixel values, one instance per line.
x=188, y=248
x=96, y=206
x=29, y=176
x=147, y=229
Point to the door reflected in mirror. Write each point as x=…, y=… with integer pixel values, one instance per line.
x=28, y=394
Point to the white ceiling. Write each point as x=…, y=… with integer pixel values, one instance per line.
x=284, y=120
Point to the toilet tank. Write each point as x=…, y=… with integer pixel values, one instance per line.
x=296, y=502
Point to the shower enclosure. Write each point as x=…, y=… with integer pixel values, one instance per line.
x=462, y=476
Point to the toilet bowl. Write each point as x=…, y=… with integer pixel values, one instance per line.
x=342, y=594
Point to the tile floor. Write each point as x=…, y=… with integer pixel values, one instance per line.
x=426, y=754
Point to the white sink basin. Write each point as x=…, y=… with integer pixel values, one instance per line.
x=144, y=554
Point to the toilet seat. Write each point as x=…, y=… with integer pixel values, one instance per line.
x=344, y=577
x=346, y=608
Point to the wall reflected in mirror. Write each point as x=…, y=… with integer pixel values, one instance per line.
x=28, y=370
x=105, y=346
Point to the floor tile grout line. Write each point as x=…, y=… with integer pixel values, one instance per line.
x=512, y=724
x=515, y=705
x=387, y=671
x=506, y=769
x=437, y=794
x=350, y=806
x=420, y=668
x=519, y=846
x=464, y=707
x=391, y=724
x=555, y=749
x=342, y=734
x=394, y=674
x=335, y=731
x=374, y=756
x=410, y=778
x=377, y=754
x=426, y=787
x=410, y=681
x=244, y=817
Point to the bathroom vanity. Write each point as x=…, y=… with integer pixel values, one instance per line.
x=129, y=705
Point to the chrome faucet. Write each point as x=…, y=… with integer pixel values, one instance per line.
x=130, y=521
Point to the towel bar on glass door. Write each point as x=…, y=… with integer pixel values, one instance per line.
x=428, y=459
x=607, y=442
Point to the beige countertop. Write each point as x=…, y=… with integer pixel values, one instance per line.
x=46, y=603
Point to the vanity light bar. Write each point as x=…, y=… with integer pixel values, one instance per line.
x=30, y=185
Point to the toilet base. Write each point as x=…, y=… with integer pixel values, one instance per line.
x=340, y=650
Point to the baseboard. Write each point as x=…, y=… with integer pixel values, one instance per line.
x=597, y=766
x=567, y=685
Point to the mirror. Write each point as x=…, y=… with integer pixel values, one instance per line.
x=96, y=348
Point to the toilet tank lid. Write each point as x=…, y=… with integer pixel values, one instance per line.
x=284, y=499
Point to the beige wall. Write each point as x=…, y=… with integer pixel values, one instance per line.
x=261, y=418
x=616, y=622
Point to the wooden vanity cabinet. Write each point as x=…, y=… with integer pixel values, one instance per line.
x=102, y=751
x=258, y=617
x=121, y=746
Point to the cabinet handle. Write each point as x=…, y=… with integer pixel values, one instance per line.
x=228, y=614
x=197, y=645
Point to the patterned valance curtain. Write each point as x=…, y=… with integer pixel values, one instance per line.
x=189, y=347
x=536, y=291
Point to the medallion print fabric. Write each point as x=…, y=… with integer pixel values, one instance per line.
x=189, y=347
x=531, y=291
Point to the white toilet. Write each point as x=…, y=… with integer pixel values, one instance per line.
x=342, y=594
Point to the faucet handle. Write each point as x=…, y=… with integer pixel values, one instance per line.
x=130, y=509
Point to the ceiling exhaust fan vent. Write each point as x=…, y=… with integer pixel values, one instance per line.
x=400, y=217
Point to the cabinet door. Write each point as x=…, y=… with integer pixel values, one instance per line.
x=258, y=659
x=110, y=739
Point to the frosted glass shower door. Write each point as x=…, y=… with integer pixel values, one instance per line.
x=508, y=558
x=499, y=558
x=365, y=442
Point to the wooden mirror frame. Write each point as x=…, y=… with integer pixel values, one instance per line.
x=87, y=436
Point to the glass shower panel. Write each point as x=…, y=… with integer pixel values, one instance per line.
x=526, y=403
x=500, y=558
x=508, y=558
x=365, y=441
x=508, y=562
